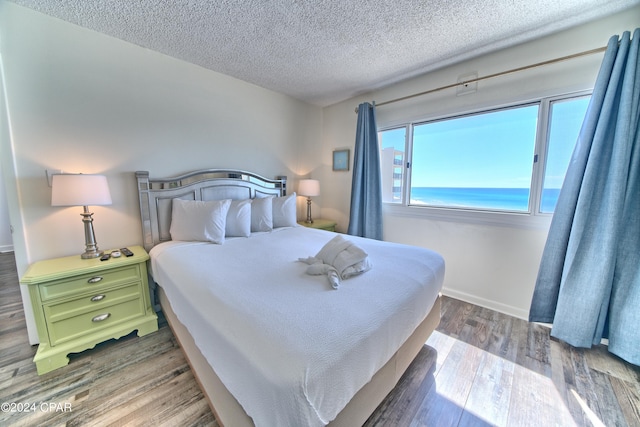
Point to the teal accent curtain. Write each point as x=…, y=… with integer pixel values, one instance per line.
x=365, y=217
x=588, y=284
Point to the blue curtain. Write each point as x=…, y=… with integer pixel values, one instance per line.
x=588, y=284
x=365, y=218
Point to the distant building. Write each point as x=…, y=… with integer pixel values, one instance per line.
x=392, y=168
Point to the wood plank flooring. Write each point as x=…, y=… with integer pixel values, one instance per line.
x=480, y=368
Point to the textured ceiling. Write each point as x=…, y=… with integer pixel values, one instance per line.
x=325, y=51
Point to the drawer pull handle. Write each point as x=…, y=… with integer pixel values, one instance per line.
x=94, y=279
x=101, y=317
x=97, y=298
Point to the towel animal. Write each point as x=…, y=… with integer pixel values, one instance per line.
x=339, y=259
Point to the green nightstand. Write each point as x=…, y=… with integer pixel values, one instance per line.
x=79, y=303
x=322, y=224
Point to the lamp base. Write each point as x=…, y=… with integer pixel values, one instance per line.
x=309, y=220
x=91, y=246
x=91, y=254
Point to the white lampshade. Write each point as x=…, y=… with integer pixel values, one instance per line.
x=79, y=190
x=82, y=190
x=309, y=187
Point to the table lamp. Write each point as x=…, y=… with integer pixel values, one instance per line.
x=82, y=190
x=309, y=188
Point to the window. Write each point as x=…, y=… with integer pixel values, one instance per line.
x=486, y=161
x=481, y=161
x=566, y=118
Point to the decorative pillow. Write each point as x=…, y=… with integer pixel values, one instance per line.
x=239, y=219
x=262, y=214
x=199, y=221
x=284, y=211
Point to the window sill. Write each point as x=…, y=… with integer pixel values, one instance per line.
x=470, y=216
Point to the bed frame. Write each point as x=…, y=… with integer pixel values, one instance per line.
x=155, y=197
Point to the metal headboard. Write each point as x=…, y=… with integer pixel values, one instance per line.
x=155, y=195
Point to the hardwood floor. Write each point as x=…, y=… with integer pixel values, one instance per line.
x=480, y=368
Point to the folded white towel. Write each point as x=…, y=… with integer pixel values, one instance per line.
x=339, y=259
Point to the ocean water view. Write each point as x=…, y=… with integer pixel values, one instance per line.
x=510, y=199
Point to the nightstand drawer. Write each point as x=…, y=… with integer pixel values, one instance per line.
x=58, y=311
x=94, y=320
x=87, y=282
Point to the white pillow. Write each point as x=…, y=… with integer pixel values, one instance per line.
x=199, y=221
x=239, y=219
x=284, y=211
x=262, y=214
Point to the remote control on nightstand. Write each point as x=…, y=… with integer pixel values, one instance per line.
x=126, y=252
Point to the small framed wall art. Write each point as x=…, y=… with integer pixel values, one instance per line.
x=341, y=160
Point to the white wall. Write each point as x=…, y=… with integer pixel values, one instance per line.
x=494, y=266
x=6, y=242
x=79, y=101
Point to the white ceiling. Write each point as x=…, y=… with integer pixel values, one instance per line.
x=325, y=51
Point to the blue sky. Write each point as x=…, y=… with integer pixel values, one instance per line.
x=492, y=150
x=488, y=150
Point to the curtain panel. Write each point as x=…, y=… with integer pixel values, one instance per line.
x=365, y=216
x=588, y=283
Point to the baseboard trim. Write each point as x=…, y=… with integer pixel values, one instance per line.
x=483, y=302
x=6, y=248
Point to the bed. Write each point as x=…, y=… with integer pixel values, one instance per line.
x=268, y=343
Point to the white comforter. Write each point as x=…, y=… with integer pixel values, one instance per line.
x=290, y=349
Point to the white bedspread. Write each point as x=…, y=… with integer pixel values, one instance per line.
x=290, y=349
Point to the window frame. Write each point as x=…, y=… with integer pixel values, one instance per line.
x=533, y=218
